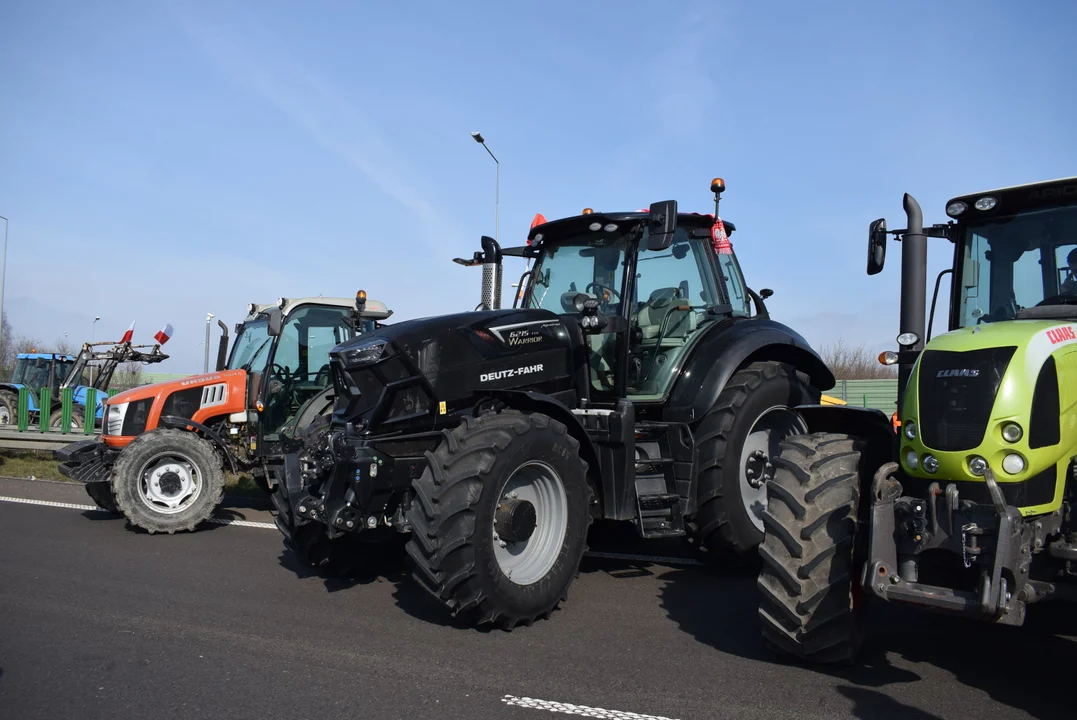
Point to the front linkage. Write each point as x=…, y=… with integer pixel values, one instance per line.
x=993, y=540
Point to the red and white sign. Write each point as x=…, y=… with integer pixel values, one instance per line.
x=129, y=335
x=720, y=239
x=163, y=334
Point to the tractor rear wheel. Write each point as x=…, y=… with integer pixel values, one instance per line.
x=735, y=442
x=9, y=408
x=168, y=481
x=500, y=518
x=809, y=596
x=102, y=495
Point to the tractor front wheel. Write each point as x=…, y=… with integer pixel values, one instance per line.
x=56, y=419
x=500, y=518
x=168, y=481
x=809, y=595
x=9, y=408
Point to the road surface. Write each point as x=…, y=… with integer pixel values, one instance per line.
x=98, y=621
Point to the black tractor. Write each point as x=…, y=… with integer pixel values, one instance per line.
x=636, y=378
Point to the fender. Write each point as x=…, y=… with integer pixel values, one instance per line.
x=178, y=423
x=728, y=347
x=540, y=402
x=868, y=424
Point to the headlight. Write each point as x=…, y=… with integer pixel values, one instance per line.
x=1012, y=432
x=114, y=415
x=977, y=465
x=911, y=460
x=956, y=208
x=910, y=429
x=365, y=354
x=907, y=339
x=985, y=203
x=1013, y=464
x=931, y=463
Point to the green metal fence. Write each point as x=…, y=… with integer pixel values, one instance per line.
x=878, y=394
x=67, y=407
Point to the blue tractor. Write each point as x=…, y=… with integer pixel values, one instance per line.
x=92, y=368
x=33, y=371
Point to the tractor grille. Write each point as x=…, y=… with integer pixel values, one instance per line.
x=956, y=393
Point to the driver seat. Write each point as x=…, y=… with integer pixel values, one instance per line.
x=662, y=303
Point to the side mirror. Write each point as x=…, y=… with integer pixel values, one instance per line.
x=876, y=246
x=661, y=224
x=275, y=322
x=765, y=293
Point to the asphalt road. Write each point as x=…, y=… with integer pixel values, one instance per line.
x=99, y=621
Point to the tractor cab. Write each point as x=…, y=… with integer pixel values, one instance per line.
x=284, y=349
x=35, y=371
x=651, y=281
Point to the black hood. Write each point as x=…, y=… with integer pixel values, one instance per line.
x=450, y=359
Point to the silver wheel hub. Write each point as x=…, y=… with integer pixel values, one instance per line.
x=169, y=485
x=530, y=523
x=5, y=415
x=764, y=439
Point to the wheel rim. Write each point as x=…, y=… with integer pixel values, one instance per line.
x=526, y=561
x=169, y=484
x=770, y=428
x=59, y=422
x=5, y=414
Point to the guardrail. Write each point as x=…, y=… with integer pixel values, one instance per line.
x=37, y=433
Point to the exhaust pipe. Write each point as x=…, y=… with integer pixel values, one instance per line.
x=491, y=274
x=913, y=290
x=222, y=348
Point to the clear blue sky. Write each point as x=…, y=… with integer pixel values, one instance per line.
x=178, y=158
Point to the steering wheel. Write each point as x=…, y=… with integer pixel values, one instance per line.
x=605, y=301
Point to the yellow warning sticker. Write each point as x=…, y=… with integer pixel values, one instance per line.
x=441, y=407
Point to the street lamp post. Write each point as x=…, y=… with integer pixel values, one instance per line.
x=497, y=183
x=3, y=273
x=93, y=327
x=209, y=316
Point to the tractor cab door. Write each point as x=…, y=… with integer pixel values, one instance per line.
x=298, y=368
x=592, y=263
x=674, y=291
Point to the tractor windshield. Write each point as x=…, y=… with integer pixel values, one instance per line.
x=251, y=345
x=1016, y=262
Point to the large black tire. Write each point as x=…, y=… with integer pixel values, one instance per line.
x=809, y=591
x=102, y=494
x=453, y=514
x=722, y=527
x=146, y=451
x=78, y=419
x=9, y=408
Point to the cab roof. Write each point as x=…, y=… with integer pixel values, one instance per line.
x=375, y=309
x=1015, y=198
x=577, y=222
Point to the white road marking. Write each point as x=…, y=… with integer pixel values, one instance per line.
x=94, y=508
x=579, y=710
x=270, y=526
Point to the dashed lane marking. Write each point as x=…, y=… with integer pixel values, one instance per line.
x=270, y=526
x=578, y=710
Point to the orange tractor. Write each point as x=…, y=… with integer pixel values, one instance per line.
x=165, y=448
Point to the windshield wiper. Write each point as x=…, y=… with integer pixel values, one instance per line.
x=247, y=365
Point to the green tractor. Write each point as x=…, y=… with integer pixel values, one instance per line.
x=964, y=503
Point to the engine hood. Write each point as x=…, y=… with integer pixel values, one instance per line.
x=164, y=388
x=435, y=364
